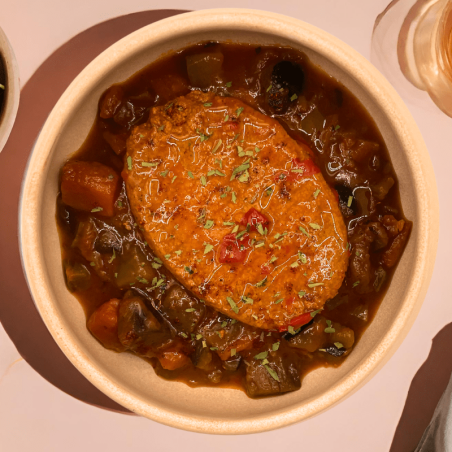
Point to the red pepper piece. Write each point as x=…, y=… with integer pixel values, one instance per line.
x=253, y=218
x=308, y=166
x=232, y=125
x=233, y=250
x=296, y=322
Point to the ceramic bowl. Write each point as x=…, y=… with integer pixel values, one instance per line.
x=130, y=380
x=12, y=89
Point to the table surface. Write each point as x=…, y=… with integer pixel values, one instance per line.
x=36, y=416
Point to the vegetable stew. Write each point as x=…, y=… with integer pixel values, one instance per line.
x=227, y=272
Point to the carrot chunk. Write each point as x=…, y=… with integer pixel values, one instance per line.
x=90, y=186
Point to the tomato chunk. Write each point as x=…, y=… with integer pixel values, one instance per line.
x=298, y=321
x=90, y=185
x=253, y=218
x=233, y=250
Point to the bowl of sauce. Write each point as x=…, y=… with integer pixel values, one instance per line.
x=9, y=88
x=230, y=211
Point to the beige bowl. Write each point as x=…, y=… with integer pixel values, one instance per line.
x=131, y=381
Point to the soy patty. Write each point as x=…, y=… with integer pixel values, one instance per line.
x=236, y=210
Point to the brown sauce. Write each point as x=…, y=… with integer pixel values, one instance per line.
x=350, y=152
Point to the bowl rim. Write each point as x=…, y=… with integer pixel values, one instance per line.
x=8, y=116
x=344, y=57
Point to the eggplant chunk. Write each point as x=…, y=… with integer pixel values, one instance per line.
x=135, y=322
x=78, y=277
x=280, y=375
x=181, y=310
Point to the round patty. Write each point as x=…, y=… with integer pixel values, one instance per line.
x=236, y=210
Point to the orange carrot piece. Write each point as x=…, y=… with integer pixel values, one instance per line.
x=90, y=186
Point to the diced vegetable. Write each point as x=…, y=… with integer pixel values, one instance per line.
x=298, y=321
x=204, y=68
x=233, y=250
x=111, y=101
x=278, y=376
x=173, y=359
x=183, y=311
x=116, y=141
x=134, y=268
x=78, y=276
x=170, y=87
x=313, y=337
x=392, y=255
x=103, y=325
x=254, y=218
x=135, y=322
x=89, y=186
x=343, y=335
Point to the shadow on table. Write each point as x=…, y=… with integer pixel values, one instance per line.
x=425, y=391
x=18, y=314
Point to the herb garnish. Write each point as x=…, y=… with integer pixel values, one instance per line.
x=311, y=285
x=314, y=313
x=129, y=163
x=275, y=346
x=239, y=111
x=208, y=104
x=229, y=84
x=272, y=373
x=232, y=304
x=164, y=173
x=190, y=175
x=215, y=148
x=314, y=226
x=294, y=96
x=162, y=127
x=188, y=270
x=261, y=355
x=355, y=283
x=338, y=345
x=209, y=224
x=97, y=209
x=173, y=179
x=316, y=193
x=112, y=257
x=262, y=283
x=350, y=200
x=234, y=197
x=329, y=329
x=303, y=230
x=208, y=248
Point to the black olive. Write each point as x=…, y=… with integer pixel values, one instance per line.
x=334, y=351
x=287, y=79
x=344, y=193
x=289, y=75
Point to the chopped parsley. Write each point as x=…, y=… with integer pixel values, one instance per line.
x=178, y=252
x=208, y=104
x=240, y=169
x=173, y=179
x=229, y=84
x=314, y=313
x=190, y=310
x=164, y=173
x=355, y=283
x=112, y=257
x=129, y=163
x=149, y=164
x=311, y=285
x=302, y=257
x=228, y=223
x=202, y=136
x=316, y=193
x=167, y=256
x=303, y=230
x=208, y=248
x=156, y=265
x=261, y=355
x=275, y=346
x=162, y=127
x=190, y=175
x=294, y=97
x=142, y=280
x=188, y=270
x=97, y=209
x=314, y=226
x=350, y=200
x=232, y=304
x=272, y=373
x=203, y=181
x=239, y=111
x=215, y=148
x=234, y=197
x=262, y=283
x=209, y=224
x=329, y=328
x=233, y=351
x=247, y=300
x=294, y=264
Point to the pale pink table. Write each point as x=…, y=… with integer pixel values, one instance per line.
x=35, y=416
